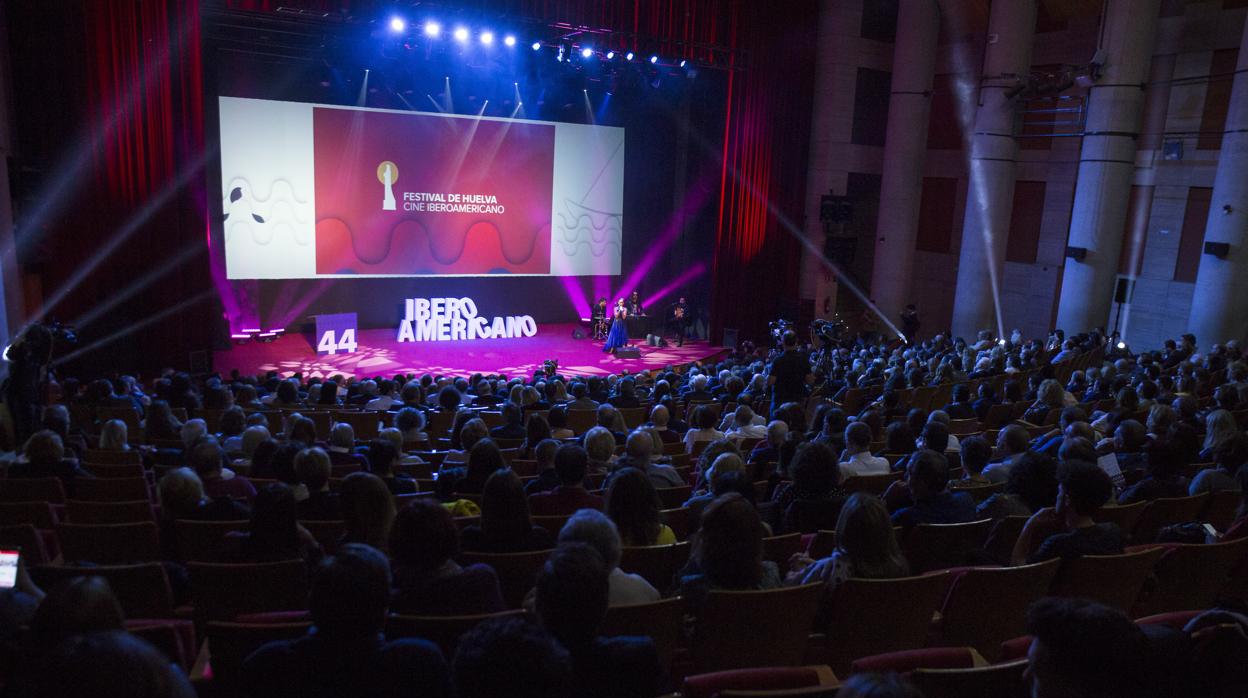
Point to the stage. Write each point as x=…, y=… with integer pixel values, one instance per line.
x=380, y=355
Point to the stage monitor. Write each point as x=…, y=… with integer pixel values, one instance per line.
x=323, y=191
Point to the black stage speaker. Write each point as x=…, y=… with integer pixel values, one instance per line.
x=1218, y=249
x=628, y=353
x=1076, y=253
x=1124, y=290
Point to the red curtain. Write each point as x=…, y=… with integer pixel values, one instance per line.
x=766, y=141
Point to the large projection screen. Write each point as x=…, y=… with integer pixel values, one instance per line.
x=321, y=191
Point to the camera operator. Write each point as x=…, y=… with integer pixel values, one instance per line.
x=789, y=373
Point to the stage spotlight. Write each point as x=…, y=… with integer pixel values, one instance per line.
x=1001, y=342
x=1122, y=345
x=610, y=55
x=654, y=59
x=432, y=29
x=628, y=56
x=509, y=40
x=682, y=63
x=461, y=34
x=536, y=46
x=560, y=56
x=587, y=52
x=398, y=25
x=487, y=38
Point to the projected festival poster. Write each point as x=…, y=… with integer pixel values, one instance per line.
x=313, y=191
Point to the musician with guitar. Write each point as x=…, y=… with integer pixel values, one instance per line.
x=680, y=320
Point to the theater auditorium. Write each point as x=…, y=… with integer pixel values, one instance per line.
x=624, y=348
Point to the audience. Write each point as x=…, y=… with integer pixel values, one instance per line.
x=593, y=528
x=274, y=532
x=367, y=510
x=633, y=504
x=427, y=581
x=512, y=658
x=345, y=652
x=927, y=478
x=1083, y=489
x=571, y=465
x=506, y=526
x=727, y=552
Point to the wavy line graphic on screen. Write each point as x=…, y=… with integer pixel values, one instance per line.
x=260, y=220
x=578, y=224
x=409, y=248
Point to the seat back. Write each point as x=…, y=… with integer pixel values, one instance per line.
x=822, y=543
x=987, y=605
x=871, y=484
x=32, y=489
x=106, y=544
x=992, y=681
x=553, y=524
x=674, y=497
x=37, y=514
x=737, y=629
x=80, y=512
x=1114, y=580
x=231, y=643
x=937, y=546
x=662, y=621
x=1166, y=511
x=906, y=661
x=676, y=519
x=108, y=457
x=1124, y=516
x=28, y=539
x=224, y=591
x=124, y=470
x=111, y=489
x=443, y=631
x=517, y=572
x=581, y=421
x=658, y=564
x=1222, y=508
x=870, y=616
x=779, y=549
x=963, y=427
x=1190, y=576
x=327, y=533
x=142, y=590
x=201, y=540
x=1005, y=533
x=979, y=492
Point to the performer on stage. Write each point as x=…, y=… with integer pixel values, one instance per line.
x=634, y=305
x=618, y=337
x=680, y=320
x=599, y=319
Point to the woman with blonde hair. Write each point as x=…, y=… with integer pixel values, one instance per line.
x=1049, y=396
x=114, y=436
x=1220, y=428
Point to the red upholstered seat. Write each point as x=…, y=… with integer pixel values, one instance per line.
x=767, y=679
x=907, y=661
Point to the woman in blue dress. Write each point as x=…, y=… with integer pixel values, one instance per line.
x=618, y=336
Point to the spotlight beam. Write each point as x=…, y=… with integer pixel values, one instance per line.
x=363, y=95
x=135, y=327
x=685, y=277
x=114, y=299
x=115, y=241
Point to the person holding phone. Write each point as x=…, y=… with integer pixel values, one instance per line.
x=19, y=596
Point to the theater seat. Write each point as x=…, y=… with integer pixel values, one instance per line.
x=870, y=616
x=929, y=658
x=988, y=605
x=443, y=631
x=738, y=629
x=992, y=681
x=767, y=679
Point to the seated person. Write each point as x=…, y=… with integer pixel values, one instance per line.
x=274, y=533
x=659, y=418
x=512, y=426
x=345, y=653
x=768, y=450
x=975, y=455
x=572, y=599
x=595, y=529
x=927, y=479
x=1011, y=443
x=633, y=504
x=1083, y=488
x=1031, y=487
x=1081, y=648
x=743, y=425
x=207, y=459
x=1164, y=478
x=857, y=458
x=341, y=448
x=961, y=407
x=1128, y=445
x=312, y=465
x=511, y=658
x=727, y=553
x=1229, y=459
x=427, y=581
x=547, y=477
x=571, y=464
x=382, y=457
x=506, y=526
x=814, y=499
x=45, y=457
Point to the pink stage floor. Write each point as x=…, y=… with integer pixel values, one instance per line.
x=379, y=354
